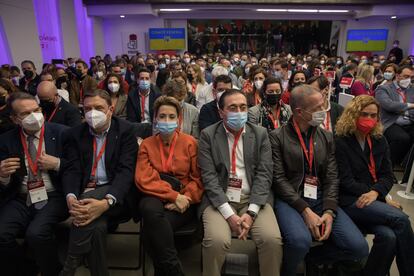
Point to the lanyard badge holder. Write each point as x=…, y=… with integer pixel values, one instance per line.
x=234, y=186
x=93, y=179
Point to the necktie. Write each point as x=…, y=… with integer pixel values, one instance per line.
x=31, y=177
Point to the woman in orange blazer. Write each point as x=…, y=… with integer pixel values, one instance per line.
x=167, y=204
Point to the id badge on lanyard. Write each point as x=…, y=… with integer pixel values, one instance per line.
x=234, y=187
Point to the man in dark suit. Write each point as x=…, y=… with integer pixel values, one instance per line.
x=209, y=113
x=55, y=109
x=396, y=53
x=101, y=155
x=31, y=201
x=236, y=168
x=31, y=80
x=141, y=99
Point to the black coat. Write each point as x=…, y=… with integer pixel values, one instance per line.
x=335, y=112
x=66, y=114
x=11, y=146
x=6, y=123
x=32, y=86
x=209, y=115
x=120, y=158
x=134, y=104
x=355, y=178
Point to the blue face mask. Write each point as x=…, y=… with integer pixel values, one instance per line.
x=162, y=66
x=242, y=63
x=144, y=84
x=166, y=127
x=123, y=71
x=236, y=120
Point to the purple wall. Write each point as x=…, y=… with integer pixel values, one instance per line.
x=5, y=56
x=84, y=27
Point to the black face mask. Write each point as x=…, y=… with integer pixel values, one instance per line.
x=190, y=77
x=28, y=74
x=78, y=73
x=151, y=68
x=2, y=100
x=47, y=106
x=273, y=99
x=59, y=81
x=376, y=71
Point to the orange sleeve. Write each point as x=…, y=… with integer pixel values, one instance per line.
x=194, y=188
x=147, y=177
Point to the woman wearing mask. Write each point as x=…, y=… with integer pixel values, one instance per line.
x=190, y=98
x=297, y=78
x=244, y=80
x=259, y=77
x=196, y=84
x=168, y=176
x=113, y=86
x=333, y=110
x=271, y=113
x=366, y=177
x=100, y=73
x=188, y=120
x=364, y=80
x=389, y=71
x=6, y=88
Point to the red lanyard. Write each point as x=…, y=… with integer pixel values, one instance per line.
x=97, y=158
x=166, y=166
x=142, y=108
x=193, y=88
x=403, y=96
x=81, y=93
x=257, y=99
x=327, y=123
x=371, y=165
x=233, y=152
x=33, y=165
x=308, y=154
x=52, y=115
x=275, y=120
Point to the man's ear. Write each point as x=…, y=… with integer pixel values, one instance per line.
x=221, y=113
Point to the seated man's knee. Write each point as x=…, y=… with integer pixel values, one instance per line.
x=217, y=240
x=358, y=248
x=151, y=208
x=268, y=238
x=300, y=241
x=37, y=234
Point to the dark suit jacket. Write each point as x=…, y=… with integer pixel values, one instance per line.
x=66, y=114
x=209, y=115
x=355, y=178
x=11, y=146
x=134, y=104
x=214, y=163
x=32, y=87
x=335, y=112
x=120, y=158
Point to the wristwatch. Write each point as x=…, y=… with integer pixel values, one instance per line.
x=111, y=201
x=332, y=213
x=252, y=214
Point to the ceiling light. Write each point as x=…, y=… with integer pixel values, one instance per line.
x=122, y=16
x=271, y=10
x=297, y=10
x=334, y=11
x=394, y=17
x=174, y=10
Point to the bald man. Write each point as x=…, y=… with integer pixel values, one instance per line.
x=55, y=109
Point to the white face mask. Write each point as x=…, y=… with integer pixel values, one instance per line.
x=318, y=118
x=33, y=122
x=258, y=84
x=95, y=119
x=219, y=94
x=113, y=87
x=99, y=74
x=404, y=83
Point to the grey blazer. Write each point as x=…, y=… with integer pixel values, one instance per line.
x=190, y=123
x=120, y=107
x=214, y=163
x=391, y=107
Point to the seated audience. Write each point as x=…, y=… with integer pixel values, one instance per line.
x=49, y=77
x=297, y=78
x=101, y=155
x=141, y=98
x=397, y=113
x=364, y=80
x=254, y=98
x=81, y=84
x=196, y=84
x=31, y=79
x=306, y=185
x=236, y=167
x=31, y=200
x=169, y=178
x=333, y=110
x=112, y=85
x=366, y=178
x=6, y=89
x=271, y=113
x=209, y=113
x=54, y=108
x=188, y=120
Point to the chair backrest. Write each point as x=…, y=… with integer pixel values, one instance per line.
x=344, y=99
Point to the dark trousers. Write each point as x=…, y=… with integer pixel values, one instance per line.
x=345, y=242
x=400, y=139
x=159, y=228
x=37, y=228
x=90, y=240
x=393, y=237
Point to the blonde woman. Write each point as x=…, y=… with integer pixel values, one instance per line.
x=364, y=80
x=197, y=85
x=366, y=177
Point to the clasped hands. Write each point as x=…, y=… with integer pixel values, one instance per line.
x=240, y=225
x=86, y=210
x=180, y=205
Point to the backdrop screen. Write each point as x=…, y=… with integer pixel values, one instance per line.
x=373, y=40
x=167, y=38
